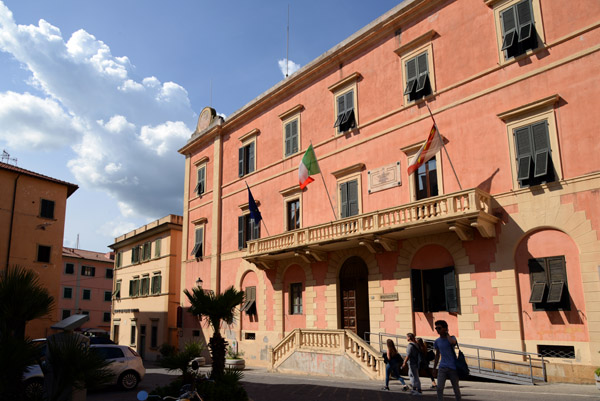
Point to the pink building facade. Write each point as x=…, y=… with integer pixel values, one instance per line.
x=86, y=286
x=498, y=236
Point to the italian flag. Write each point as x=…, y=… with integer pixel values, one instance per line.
x=308, y=167
x=427, y=151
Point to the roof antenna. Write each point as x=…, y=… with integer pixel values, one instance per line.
x=287, y=48
x=7, y=159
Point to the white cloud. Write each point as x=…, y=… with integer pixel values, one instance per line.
x=117, y=228
x=30, y=122
x=291, y=67
x=124, y=131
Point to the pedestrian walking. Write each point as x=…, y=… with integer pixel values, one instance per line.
x=413, y=360
x=426, y=357
x=392, y=361
x=444, y=348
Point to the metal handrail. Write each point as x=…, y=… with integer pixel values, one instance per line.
x=528, y=356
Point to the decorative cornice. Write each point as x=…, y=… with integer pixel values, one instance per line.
x=344, y=82
x=348, y=170
x=202, y=160
x=294, y=110
x=413, y=44
x=249, y=135
x=291, y=191
x=491, y=3
x=201, y=220
x=529, y=107
x=245, y=206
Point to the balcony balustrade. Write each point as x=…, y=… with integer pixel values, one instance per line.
x=460, y=212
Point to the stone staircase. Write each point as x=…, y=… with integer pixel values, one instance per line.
x=327, y=352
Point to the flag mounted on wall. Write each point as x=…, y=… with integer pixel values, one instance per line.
x=428, y=150
x=308, y=167
x=253, y=207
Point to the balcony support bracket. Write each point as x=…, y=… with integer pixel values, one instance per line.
x=463, y=230
x=388, y=244
x=485, y=224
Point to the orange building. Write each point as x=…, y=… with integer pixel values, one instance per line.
x=32, y=222
x=498, y=235
x=146, y=286
x=86, y=286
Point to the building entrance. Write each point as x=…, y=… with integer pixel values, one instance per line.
x=354, y=292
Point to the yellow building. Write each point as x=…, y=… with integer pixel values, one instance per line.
x=32, y=224
x=147, y=286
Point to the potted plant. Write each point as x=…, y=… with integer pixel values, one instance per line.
x=234, y=360
x=597, y=374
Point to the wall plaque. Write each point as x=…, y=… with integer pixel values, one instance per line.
x=384, y=177
x=389, y=297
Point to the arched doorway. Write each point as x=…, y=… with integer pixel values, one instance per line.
x=354, y=292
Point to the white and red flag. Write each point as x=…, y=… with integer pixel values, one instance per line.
x=427, y=151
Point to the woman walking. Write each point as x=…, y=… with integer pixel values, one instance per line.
x=392, y=360
x=413, y=356
x=425, y=359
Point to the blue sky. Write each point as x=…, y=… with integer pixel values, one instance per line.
x=103, y=93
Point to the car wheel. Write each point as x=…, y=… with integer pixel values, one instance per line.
x=34, y=389
x=129, y=380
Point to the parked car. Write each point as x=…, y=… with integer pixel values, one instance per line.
x=126, y=364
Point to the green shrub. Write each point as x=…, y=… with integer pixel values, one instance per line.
x=227, y=388
x=167, y=350
x=179, y=361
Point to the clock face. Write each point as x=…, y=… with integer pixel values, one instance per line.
x=204, y=119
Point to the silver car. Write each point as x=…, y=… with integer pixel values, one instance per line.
x=126, y=364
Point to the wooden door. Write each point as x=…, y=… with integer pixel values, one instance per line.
x=349, y=309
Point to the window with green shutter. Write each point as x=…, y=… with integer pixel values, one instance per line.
x=346, y=117
x=156, y=283
x=246, y=159
x=434, y=290
x=145, y=284
x=247, y=230
x=533, y=154
x=418, y=83
x=197, y=251
x=249, y=305
x=518, y=29
x=291, y=137
x=201, y=185
x=549, y=287
x=348, y=198
x=157, y=245
x=47, y=209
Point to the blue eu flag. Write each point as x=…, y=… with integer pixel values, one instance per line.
x=254, y=212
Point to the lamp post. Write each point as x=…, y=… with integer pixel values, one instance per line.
x=199, y=282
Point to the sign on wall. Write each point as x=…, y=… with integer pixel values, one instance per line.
x=384, y=177
x=393, y=296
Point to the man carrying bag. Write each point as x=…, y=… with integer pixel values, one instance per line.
x=444, y=348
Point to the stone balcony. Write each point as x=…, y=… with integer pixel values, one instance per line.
x=460, y=212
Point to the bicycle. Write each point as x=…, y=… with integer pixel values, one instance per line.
x=190, y=395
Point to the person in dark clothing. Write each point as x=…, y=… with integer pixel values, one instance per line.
x=425, y=359
x=444, y=348
x=392, y=361
x=413, y=359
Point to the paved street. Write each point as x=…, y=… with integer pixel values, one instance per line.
x=264, y=386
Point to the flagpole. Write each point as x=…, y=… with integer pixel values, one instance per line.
x=263, y=221
x=327, y=191
x=444, y=146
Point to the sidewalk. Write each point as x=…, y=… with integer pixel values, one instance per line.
x=264, y=386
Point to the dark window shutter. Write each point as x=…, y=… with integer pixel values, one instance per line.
x=288, y=139
x=241, y=226
x=417, y=290
x=93, y=272
x=344, y=199
x=509, y=27
x=557, y=270
x=349, y=100
x=411, y=75
x=423, y=71
x=450, y=288
x=294, y=136
x=352, y=198
x=524, y=152
x=200, y=241
x=537, y=293
x=201, y=180
x=241, y=171
x=525, y=19
x=537, y=271
x=255, y=229
x=341, y=104
x=251, y=157
x=541, y=145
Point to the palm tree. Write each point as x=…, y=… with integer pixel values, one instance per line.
x=215, y=309
x=22, y=298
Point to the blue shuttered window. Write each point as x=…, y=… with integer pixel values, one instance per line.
x=518, y=29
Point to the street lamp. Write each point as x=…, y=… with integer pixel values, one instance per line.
x=199, y=282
